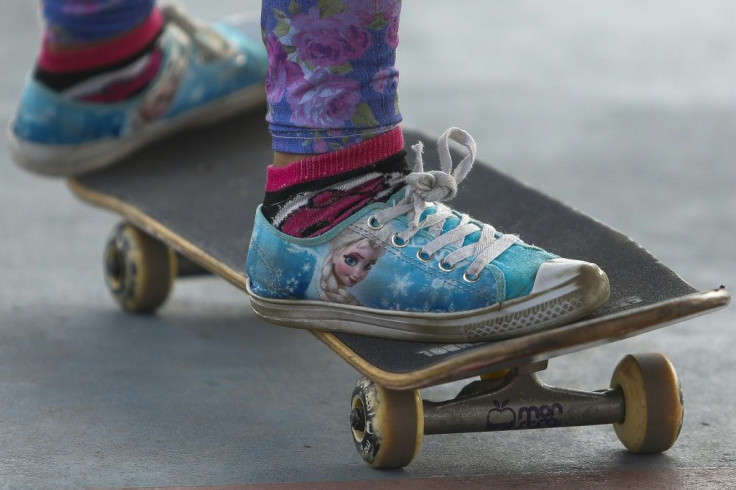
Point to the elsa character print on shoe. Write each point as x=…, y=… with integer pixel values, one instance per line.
x=351, y=257
x=412, y=268
x=160, y=94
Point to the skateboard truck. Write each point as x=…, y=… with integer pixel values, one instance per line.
x=644, y=404
x=521, y=400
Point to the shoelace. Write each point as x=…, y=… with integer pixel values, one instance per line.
x=212, y=44
x=425, y=189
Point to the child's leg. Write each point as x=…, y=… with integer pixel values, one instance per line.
x=345, y=225
x=70, y=23
x=332, y=78
x=332, y=106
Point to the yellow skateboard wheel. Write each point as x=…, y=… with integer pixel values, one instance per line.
x=139, y=270
x=387, y=425
x=653, y=400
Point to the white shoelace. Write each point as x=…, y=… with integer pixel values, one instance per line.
x=431, y=188
x=211, y=43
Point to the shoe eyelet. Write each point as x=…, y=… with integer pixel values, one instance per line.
x=399, y=242
x=424, y=256
x=470, y=277
x=374, y=224
x=445, y=267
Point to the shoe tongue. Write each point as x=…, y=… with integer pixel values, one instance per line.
x=451, y=222
x=397, y=196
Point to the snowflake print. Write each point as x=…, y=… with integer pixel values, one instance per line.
x=401, y=286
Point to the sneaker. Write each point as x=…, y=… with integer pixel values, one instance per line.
x=412, y=268
x=208, y=72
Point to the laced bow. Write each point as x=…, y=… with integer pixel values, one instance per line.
x=431, y=188
x=212, y=44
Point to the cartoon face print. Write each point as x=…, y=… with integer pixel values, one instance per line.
x=155, y=105
x=351, y=256
x=354, y=262
x=162, y=92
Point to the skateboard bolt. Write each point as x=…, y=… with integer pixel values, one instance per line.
x=357, y=419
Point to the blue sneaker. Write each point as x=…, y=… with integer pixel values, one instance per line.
x=412, y=268
x=208, y=73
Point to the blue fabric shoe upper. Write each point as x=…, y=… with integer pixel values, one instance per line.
x=411, y=253
x=185, y=81
x=281, y=266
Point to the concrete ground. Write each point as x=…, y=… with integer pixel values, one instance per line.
x=626, y=110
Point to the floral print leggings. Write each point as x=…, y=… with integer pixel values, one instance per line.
x=88, y=21
x=331, y=82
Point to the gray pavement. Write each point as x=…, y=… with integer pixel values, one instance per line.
x=626, y=110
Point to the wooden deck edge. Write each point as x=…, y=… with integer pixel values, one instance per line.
x=158, y=230
x=540, y=346
x=494, y=356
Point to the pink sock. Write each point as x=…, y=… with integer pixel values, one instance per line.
x=313, y=195
x=108, y=71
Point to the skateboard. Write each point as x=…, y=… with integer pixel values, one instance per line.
x=187, y=206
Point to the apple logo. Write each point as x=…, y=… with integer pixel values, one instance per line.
x=501, y=417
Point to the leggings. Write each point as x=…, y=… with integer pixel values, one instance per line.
x=332, y=80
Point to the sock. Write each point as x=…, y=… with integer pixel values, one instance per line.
x=313, y=195
x=107, y=71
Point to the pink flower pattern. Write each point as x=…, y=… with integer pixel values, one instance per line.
x=331, y=78
x=331, y=41
x=381, y=80
x=367, y=10
x=282, y=72
x=326, y=101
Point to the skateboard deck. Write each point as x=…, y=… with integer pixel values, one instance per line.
x=197, y=193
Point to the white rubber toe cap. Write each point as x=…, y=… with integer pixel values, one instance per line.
x=587, y=278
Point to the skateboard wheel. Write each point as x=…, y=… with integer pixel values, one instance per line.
x=653, y=403
x=139, y=270
x=387, y=425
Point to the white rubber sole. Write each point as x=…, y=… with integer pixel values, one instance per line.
x=567, y=292
x=66, y=160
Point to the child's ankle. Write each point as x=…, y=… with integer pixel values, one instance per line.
x=311, y=195
x=284, y=159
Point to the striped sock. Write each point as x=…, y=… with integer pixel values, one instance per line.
x=311, y=196
x=110, y=71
